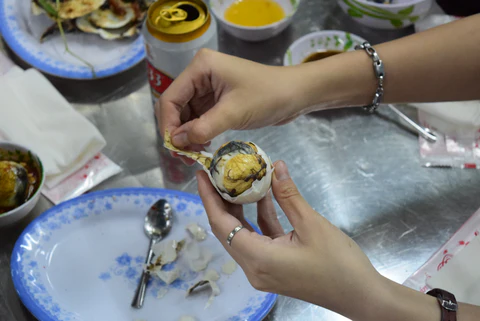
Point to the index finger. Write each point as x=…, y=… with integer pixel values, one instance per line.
x=171, y=103
x=179, y=94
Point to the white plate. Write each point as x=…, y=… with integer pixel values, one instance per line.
x=81, y=260
x=22, y=30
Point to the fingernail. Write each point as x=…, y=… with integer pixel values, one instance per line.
x=281, y=171
x=180, y=140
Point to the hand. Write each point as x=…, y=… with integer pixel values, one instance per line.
x=315, y=262
x=218, y=92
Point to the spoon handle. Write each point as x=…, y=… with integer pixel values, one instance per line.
x=142, y=286
x=431, y=137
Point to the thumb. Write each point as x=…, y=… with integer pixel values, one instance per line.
x=288, y=197
x=203, y=129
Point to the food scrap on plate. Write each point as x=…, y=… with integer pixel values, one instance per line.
x=110, y=19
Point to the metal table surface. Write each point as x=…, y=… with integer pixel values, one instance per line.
x=362, y=172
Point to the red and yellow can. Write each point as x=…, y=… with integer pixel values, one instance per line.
x=173, y=32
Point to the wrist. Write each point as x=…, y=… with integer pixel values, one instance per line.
x=396, y=302
x=343, y=80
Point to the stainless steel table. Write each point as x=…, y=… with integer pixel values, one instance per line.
x=360, y=171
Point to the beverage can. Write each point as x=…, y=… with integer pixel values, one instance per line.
x=173, y=32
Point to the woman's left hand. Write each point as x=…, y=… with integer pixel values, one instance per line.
x=315, y=262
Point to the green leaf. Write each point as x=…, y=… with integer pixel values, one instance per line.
x=396, y=23
x=348, y=36
x=48, y=8
x=294, y=4
x=338, y=41
x=319, y=42
x=289, y=55
x=312, y=43
x=348, y=45
x=407, y=10
x=354, y=13
x=414, y=19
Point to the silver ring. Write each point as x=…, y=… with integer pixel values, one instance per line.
x=232, y=234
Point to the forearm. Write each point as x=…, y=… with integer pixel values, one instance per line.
x=395, y=302
x=440, y=64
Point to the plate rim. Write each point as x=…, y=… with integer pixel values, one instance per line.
x=17, y=48
x=15, y=263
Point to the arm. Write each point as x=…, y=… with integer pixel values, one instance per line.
x=315, y=262
x=402, y=303
x=440, y=64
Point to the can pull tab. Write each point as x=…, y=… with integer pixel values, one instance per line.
x=173, y=14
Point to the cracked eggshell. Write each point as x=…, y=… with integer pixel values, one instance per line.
x=198, y=233
x=198, y=257
x=229, y=267
x=86, y=26
x=168, y=276
x=259, y=188
x=109, y=20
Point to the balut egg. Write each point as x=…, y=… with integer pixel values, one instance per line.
x=241, y=172
x=13, y=184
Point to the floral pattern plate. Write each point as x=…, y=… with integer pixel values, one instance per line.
x=22, y=30
x=81, y=260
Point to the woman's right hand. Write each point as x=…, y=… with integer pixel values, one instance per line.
x=218, y=92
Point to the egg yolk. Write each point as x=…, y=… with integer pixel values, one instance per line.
x=254, y=13
x=241, y=171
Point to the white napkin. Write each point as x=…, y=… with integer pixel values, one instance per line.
x=34, y=114
x=461, y=113
x=461, y=275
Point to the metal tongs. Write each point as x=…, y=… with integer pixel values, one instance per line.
x=425, y=132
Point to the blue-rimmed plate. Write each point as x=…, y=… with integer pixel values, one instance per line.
x=81, y=260
x=22, y=30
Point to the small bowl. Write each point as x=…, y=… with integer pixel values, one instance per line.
x=23, y=210
x=320, y=41
x=386, y=16
x=218, y=8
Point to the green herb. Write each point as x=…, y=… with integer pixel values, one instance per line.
x=48, y=8
x=54, y=13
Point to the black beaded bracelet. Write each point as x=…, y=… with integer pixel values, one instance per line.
x=379, y=73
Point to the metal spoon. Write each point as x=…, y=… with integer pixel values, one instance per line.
x=425, y=132
x=13, y=183
x=158, y=223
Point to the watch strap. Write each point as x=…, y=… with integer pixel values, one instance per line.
x=448, y=304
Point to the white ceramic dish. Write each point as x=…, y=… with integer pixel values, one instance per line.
x=320, y=41
x=22, y=30
x=218, y=8
x=20, y=212
x=386, y=16
x=81, y=260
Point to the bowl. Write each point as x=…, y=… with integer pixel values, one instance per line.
x=218, y=8
x=18, y=153
x=386, y=16
x=320, y=41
